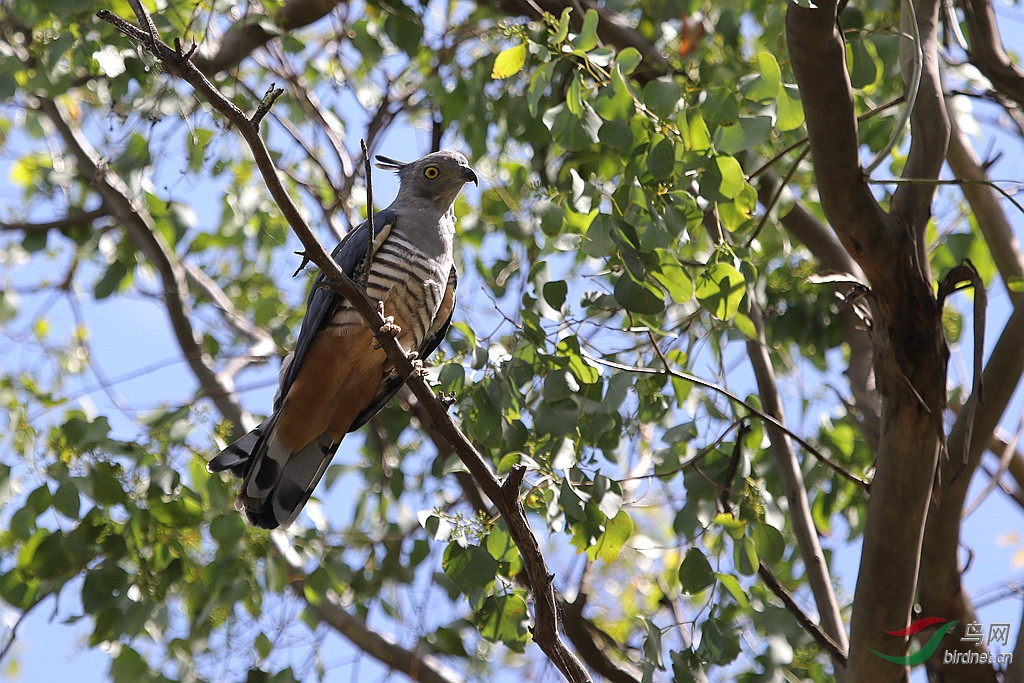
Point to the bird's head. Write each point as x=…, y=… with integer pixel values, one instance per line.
x=437, y=177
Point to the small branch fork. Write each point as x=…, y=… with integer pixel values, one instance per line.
x=546, y=621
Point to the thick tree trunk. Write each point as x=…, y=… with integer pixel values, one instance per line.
x=910, y=355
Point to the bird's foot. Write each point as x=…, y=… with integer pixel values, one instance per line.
x=417, y=364
x=389, y=328
x=447, y=400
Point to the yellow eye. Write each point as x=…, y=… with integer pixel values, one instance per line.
x=431, y=172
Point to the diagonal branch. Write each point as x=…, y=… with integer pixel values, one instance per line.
x=986, y=50
x=984, y=202
x=418, y=666
x=830, y=254
x=796, y=493
x=247, y=35
x=142, y=231
x=505, y=497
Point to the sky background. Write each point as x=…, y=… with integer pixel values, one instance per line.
x=46, y=651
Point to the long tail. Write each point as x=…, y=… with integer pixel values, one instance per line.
x=276, y=482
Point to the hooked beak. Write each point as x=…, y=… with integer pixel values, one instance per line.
x=469, y=175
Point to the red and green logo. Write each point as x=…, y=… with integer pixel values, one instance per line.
x=929, y=648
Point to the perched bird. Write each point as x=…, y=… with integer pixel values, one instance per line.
x=336, y=380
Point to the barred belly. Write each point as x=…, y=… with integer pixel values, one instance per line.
x=410, y=285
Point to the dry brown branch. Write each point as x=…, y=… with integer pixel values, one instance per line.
x=546, y=628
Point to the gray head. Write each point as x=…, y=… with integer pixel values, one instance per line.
x=437, y=177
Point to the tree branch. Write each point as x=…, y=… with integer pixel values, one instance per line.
x=929, y=125
x=247, y=34
x=830, y=254
x=910, y=354
x=817, y=53
x=142, y=231
x=72, y=220
x=546, y=629
x=419, y=666
x=984, y=202
x=796, y=493
x=986, y=51
x=941, y=591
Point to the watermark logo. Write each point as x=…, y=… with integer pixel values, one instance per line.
x=929, y=648
x=974, y=633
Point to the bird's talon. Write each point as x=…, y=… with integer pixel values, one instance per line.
x=447, y=400
x=389, y=328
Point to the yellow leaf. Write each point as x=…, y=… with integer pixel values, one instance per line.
x=509, y=61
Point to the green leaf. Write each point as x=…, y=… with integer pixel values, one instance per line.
x=769, y=543
x=863, y=63
x=638, y=298
x=732, y=585
x=66, y=499
x=695, y=572
x=662, y=96
x=789, y=109
x=719, y=641
x=617, y=134
x=128, y=667
x=661, y=159
x=609, y=544
x=587, y=38
x=696, y=134
x=509, y=61
x=500, y=546
x=720, y=289
x=196, y=142
x=469, y=567
x=539, y=83
x=581, y=369
x=765, y=86
x=723, y=179
x=652, y=644
x=671, y=275
x=744, y=556
x=504, y=618
x=112, y=281
x=227, y=529
x=614, y=102
x=751, y=132
x=628, y=60
x=720, y=106
x=562, y=32
x=263, y=646
x=555, y=292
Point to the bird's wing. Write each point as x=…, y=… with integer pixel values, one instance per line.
x=323, y=301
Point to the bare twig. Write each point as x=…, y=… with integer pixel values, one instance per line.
x=693, y=379
x=370, y=233
x=72, y=220
x=823, y=639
